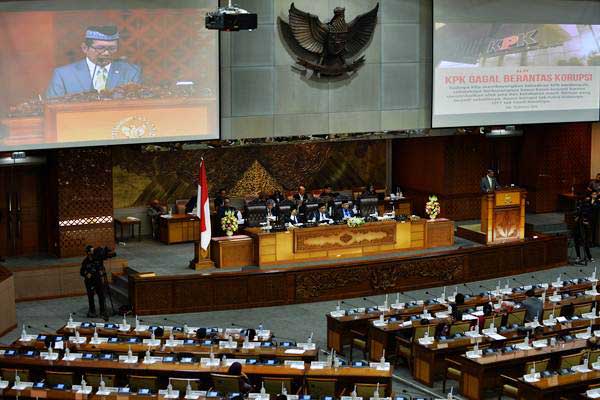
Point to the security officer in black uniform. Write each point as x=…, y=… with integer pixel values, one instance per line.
x=93, y=272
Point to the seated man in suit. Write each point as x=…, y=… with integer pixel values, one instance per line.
x=99, y=70
x=489, y=183
x=294, y=218
x=344, y=212
x=321, y=216
x=154, y=211
x=533, y=305
x=224, y=208
x=220, y=199
x=301, y=196
x=271, y=213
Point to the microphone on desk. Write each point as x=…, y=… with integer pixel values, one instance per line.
x=518, y=281
x=409, y=296
x=370, y=301
x=469, y=289
x=486, y=288
x=351, y=305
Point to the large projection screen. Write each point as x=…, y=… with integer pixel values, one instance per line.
x=159, y=80
x=515, y=62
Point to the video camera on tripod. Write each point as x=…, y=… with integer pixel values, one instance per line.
x=103, y=253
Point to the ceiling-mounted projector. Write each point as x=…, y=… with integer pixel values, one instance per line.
x=231, y=18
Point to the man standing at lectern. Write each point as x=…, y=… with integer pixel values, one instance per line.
x=98, y=70
x=489, y=183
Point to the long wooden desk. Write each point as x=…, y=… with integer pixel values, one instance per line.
x=338, y=328
x=481, y=373
x=178, y=228
x=429, y=359
x=347, y=376
x=103, y=331
x=340, y=241
x=557, y=386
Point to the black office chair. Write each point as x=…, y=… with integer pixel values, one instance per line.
x=368, y=205
x=255, y=213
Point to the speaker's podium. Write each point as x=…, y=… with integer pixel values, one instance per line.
x=502, y=218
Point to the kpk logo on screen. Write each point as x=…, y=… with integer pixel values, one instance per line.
x=513, y=42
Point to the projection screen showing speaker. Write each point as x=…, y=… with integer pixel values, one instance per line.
x=79, y=74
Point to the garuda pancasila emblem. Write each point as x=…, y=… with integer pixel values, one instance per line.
x=324, y=48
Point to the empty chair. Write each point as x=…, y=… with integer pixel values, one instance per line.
x=8, y=374
x=539, y=365
x=181, y=384
x=93, y=379
x=580, y=309
x=593, y=356
x=366, y=390
x=225, y=383
x=368, y=206
x=255, y=213
x=404, y=346
x=359, y=340
x=273, y=385
x=56, y=377
x=487, y=321
x=516, y=318
x=318, y=387
x=551, y=311
x=137, y=382
x=570, y=360
x=452, y=371
x=510, y=385
x=459, y=327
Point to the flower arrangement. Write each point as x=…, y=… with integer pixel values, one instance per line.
x=229, y=222
x=354, y=222
x=432, y=207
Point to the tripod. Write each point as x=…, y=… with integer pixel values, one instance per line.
x=107, y=290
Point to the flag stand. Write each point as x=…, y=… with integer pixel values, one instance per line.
x=201, y=258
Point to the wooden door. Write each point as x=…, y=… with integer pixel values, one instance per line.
x=21, y=211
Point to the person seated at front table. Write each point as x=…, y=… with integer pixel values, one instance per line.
x=155, y=210
x=321, y=216
x=294, y=218
x=277, y=196
x=533, y=305
x=487, y=311
x=236, y=370
x=271, y=212
x=345, y=211
x=220, y=199
x=459, y=301
x=369, y=191
x=224, y=208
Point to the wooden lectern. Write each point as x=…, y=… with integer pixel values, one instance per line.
x=503, y=215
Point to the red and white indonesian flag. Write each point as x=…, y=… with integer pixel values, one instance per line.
x=203, y=208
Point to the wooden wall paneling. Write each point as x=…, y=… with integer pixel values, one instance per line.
x=8, y=313
x=554, y=158
x=85, y=199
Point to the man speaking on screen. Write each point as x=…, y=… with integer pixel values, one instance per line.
x=99, y=70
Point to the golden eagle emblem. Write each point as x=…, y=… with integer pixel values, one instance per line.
x=325, y=47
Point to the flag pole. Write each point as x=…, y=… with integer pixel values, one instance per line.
x=201, y=258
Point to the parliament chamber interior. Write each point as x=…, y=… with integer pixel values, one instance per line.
x=307, y=200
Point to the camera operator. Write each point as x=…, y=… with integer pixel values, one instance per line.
x=582, y=230
x=93, y=273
